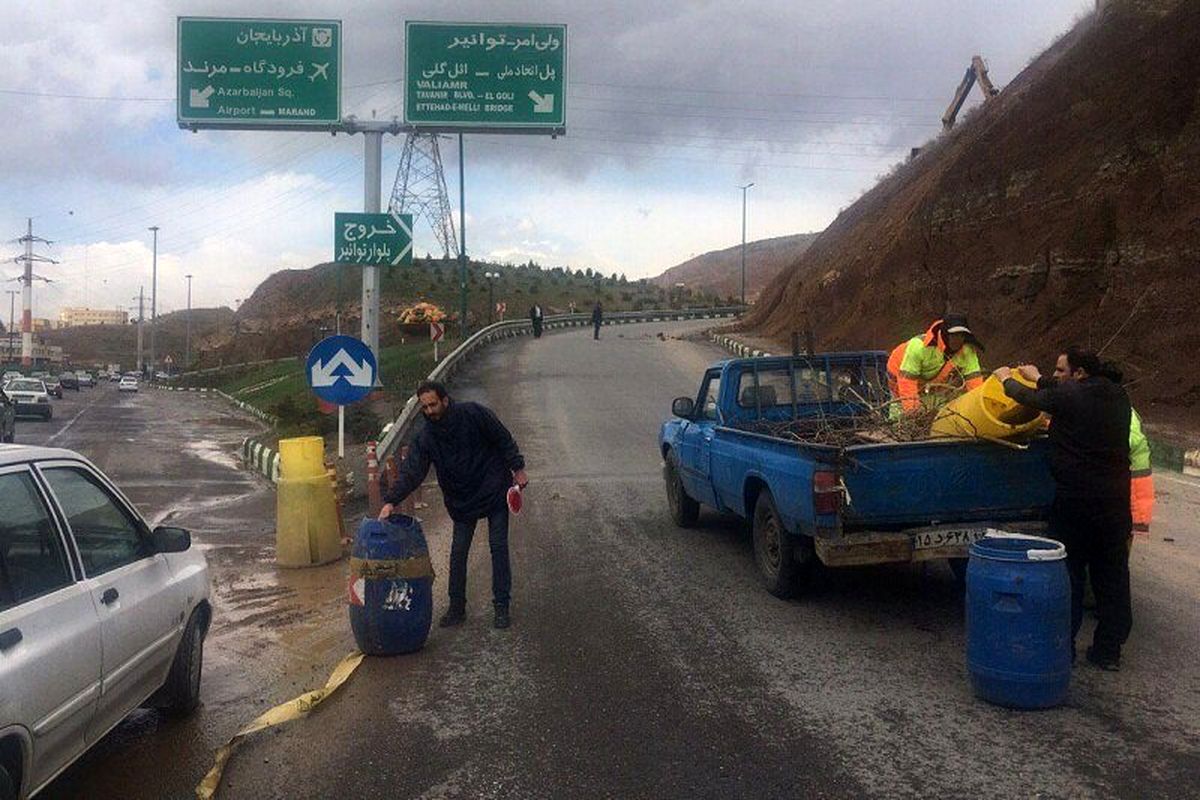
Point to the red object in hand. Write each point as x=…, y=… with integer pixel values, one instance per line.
x=516, y=499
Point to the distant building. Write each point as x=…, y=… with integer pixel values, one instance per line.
x=72, y=317
x=41, y=324
x=42, y=353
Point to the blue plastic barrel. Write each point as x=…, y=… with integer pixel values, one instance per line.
x=1019, y=620
x=391, y=587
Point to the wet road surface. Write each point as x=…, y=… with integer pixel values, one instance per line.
x=644, y=660
x=175, y=456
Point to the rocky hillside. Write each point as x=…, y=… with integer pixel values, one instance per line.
x=720, y=271
x=292, y=309
x=1066, y=210
x=117, y=344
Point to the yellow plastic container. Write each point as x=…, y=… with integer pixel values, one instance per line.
x=302, y=457
x=987, y=412
x=306, y=524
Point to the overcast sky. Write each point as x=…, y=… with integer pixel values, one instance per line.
x=671, y=105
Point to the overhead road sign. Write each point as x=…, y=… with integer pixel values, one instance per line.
x=258, y=73
x=377, y=240
x=341, y=370
x=485, y=77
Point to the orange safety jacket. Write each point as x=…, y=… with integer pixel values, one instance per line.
x=1141, y=485
x=923, y=360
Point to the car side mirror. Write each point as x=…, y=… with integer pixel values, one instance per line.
x=683, y=407
x=167, y=539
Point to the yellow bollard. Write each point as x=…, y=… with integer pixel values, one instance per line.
x=306, y=518
x=987, y=412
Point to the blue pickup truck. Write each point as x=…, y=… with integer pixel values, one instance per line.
x=787, y=444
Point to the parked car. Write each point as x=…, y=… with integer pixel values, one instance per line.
x=8, y=418
x=53, y=387
x=749, y=444
x=12, y=374
x=114, y=377
x=86, y=379
x=99, y=614
x=127, y=384
x=31, y=398
x=69, y=380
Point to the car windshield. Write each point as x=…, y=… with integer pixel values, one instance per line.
x=26, y=386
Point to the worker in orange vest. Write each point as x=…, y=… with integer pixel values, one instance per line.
x=946, y=355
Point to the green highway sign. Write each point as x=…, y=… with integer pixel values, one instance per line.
x=373, y=240
x=258, y=72
x=485, y=75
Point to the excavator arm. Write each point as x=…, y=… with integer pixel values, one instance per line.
x=976, y=72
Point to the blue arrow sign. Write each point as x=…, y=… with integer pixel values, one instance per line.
x=341, y=370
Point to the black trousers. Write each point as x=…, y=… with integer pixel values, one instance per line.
x=596, y=331
x=460, y=548
x=1096, y=533
x=537, y=328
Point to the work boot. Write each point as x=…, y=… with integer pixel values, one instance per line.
x=1105, y=662
x=454, y=616
x=501, y=620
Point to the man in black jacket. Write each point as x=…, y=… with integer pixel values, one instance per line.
x=477, y=462
x=1089, y=459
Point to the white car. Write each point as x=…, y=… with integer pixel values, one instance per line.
x=99, y=614
x=127, y=384
x=31, y=397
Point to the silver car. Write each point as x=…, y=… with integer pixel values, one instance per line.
x=99, y=614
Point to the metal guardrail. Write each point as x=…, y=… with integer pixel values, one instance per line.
x=399, y=429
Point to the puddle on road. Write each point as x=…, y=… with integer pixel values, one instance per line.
x=212, y=452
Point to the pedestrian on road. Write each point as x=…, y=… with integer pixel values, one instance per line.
x=597, y=319
x=1089, y=459
x=535, y=317
x=477, y=463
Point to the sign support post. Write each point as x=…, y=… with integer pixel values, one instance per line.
x=462, y=241
x=373, y=142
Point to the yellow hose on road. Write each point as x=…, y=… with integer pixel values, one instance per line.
x=285, y=712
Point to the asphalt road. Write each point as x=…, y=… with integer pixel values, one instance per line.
x=644, y=660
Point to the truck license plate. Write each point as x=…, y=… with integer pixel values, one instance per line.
x=925, y=540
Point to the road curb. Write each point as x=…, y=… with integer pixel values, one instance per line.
x=737, y=348
x=270, y=419
x=1164, y=455
x=260, y=458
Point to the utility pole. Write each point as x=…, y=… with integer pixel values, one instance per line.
x=187, y=359
x=141, y=298
x=153, y=299
x=12, y=316
x=26, y=279
x=744, y=188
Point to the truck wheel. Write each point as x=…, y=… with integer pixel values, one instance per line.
x=181, y=693
x=8, y=788
x=684, y=510
x=773, y=549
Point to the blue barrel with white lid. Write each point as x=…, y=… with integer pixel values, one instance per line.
x=391, y=586
x=1019, y=620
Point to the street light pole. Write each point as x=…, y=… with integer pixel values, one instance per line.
x=187, y=359
x=12, y=315
x=153, y=300
x=744, y=188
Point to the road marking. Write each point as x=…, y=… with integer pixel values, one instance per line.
x=67, y=427
x=1195, y=484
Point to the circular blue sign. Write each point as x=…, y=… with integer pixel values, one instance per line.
x=341, y=370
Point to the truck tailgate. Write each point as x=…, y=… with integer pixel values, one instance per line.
x=893, y=486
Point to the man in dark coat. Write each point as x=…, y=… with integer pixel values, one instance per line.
x=535, y=317
x=477, y=463
x=597, y=319
x=1089, y=459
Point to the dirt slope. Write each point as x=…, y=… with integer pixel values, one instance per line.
x=1065, y=211
x=720, y=271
